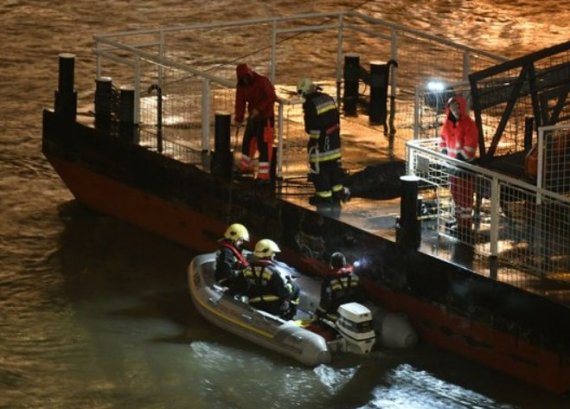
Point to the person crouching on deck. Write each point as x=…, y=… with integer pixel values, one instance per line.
x=266, y=289
x=230, y=259
x=322, y=124
x=256, y=92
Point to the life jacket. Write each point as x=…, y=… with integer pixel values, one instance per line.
x=240, y=260
x=259, y=276
x=343, y=285
x=322, y=123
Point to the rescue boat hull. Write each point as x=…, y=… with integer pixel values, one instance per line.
x=259, y=327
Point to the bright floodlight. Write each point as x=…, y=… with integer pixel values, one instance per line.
x=435, y=86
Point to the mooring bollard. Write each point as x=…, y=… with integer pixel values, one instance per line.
x=104, y=97
x=66, y=96
x=378, y=92
x=408, y=233
x=128, y=130
x=222, y=162
x=351, y=79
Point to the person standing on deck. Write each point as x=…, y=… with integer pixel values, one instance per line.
x=230, y=259
x=340, y=286
x=459, y=139
x=322, y=124
x=256, y=93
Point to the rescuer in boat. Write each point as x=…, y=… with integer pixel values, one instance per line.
x=256, y=93
x=459, y=139
x=263, y=284
x=322, y=124
x=340, y=286
x=230, y=259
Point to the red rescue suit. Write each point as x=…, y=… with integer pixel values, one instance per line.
x=255, y=92
x=459, y=139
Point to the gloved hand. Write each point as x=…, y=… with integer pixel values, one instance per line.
x=460, y=156
x=444, y=151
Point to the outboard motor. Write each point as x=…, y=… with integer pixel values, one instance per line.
x=355, y=326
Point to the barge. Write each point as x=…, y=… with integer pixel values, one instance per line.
x=452, y=302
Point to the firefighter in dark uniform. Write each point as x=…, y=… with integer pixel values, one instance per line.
x=340, y=286
x=322, y=124
x=266, y=289
x=230, y=259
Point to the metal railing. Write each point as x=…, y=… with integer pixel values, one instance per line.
x=520, y=224
x=195, y=85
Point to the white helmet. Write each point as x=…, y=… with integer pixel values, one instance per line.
x=266, y=248
x=305, y=86
x=236, y=232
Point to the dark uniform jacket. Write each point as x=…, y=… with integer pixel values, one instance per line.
x=339, y=287
x=322, y=123
x=265, y=287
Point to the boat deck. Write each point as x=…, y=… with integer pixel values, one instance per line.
x=364, y=145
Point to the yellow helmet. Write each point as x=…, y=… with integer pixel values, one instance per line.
x=236, y=232
x=266, y=248
x=305, y=86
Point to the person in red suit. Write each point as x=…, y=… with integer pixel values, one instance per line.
x=459, y=139
x=256, y=94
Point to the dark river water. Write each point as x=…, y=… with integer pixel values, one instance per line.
x=95, y=313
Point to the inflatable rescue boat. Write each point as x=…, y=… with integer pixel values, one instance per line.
x=355, y=331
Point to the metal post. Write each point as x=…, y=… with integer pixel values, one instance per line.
x=205, y=115
x=66, y=96
x=409, y=229
x=393, y=90
x=466, y=65
x=103, y=104
x=495, y=216
x=351, y=78
x=279, y=165
x=273, y=49
x=378, y=94
x=159, y=139
x=127, y=127
x=222, y=158
x=540, y=165
x=340, y=39
x=417, y=112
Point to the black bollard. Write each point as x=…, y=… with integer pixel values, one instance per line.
x=408, y=232
x=351, y=78
x=104, y=97
x=222, y=160
x=378, y=93
x=127, y=128
x=66, y=96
